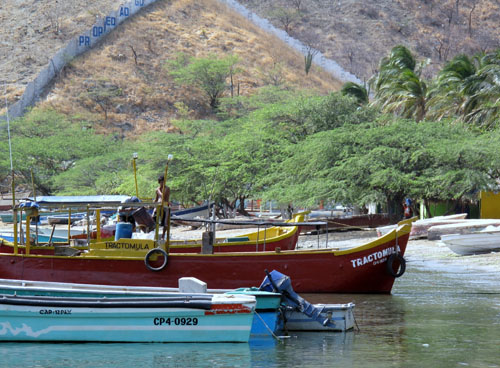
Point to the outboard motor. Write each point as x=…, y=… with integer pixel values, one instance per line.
x=278, y=283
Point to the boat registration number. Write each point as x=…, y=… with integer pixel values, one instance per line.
x=178, y=321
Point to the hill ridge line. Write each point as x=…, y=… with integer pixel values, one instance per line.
x=76, y=46
x=329, y=65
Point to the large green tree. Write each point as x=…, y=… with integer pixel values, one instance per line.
x=48, y=143
x=370, y=162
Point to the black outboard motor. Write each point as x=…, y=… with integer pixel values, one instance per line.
x=278, y=283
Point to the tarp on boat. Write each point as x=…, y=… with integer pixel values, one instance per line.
x=86, y=199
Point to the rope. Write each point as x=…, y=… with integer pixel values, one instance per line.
x=278, y=338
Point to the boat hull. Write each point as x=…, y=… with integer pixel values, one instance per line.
x=339, y=316
x=476, y=243
x=361, y=269
x=80, y=320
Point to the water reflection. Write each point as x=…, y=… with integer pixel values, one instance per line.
x=442, y=313
x=65, y=355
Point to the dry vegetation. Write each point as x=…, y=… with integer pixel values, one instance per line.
x=132, y=60
x=358, y=33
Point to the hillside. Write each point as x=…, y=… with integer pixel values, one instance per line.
x=356, y=34
x=132, y=59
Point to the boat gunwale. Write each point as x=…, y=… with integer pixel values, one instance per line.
x=400, y=232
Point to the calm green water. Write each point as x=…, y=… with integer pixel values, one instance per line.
x=440, y=315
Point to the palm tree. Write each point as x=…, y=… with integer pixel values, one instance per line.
x=468, y=89
x=482, y=93
x=355, y=90
x=446, y=98
x=398, y=86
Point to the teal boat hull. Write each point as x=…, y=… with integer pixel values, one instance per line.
x=266, y=320
x=134, y=320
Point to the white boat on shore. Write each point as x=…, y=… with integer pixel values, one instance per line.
x=480, y=242
x=420, y=228
x=460, y=227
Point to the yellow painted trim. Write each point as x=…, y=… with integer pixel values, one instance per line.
x=400, y=231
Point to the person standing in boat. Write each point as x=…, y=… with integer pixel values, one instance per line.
x=162, y=194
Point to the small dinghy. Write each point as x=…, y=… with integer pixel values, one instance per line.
x=300, y=315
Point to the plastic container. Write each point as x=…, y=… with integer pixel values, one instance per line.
x=123, y=230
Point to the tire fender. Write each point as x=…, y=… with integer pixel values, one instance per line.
x=148, y=256
x=390, y=261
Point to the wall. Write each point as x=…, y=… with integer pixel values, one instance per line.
x=75, y=47
x=490, y=205
x=89, y=39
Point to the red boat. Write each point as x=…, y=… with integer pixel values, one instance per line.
x=368, y=268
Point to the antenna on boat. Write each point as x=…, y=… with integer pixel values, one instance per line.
x=10, y=146
x=134, y=158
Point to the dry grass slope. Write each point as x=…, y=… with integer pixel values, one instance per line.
x=132, y=59
x=358, y=33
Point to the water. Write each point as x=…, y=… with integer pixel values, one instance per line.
x=443, y=312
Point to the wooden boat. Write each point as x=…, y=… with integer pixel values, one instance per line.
x=367, y=268
x=282, y=237
x=340, y=316
x=201, y=211
x=300, y=315
x=480, y=242
x=210, y=318
x=383, y=230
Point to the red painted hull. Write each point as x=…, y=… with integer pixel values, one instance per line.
x=361, y=270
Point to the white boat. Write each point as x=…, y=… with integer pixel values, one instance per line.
x=300, y=315
x=460, y=227
x=480, y=242
x=420, y=228
x=335, y=317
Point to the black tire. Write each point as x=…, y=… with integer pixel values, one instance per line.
x=148, y=256
x=402, y=265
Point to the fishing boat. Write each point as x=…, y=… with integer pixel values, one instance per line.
x=367, y=268
x=466, y=226
x=209, y=318
x=201, y=211
x=278, y=308
x=267, y=319
x=480, y=242
x=383, y=230
x=370, y=267
x=347, y=223
x=281, y=236
x=269, y=235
